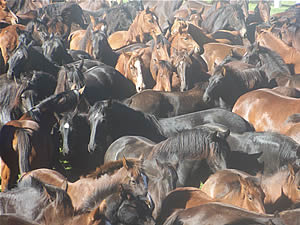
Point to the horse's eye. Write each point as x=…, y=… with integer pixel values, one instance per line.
x=186, y=38
x=132, y=182
x=131, y=67
x=150, y=21
x=250, y=197
x=298, y=188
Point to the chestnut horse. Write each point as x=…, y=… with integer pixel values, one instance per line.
x=107, y=177
x=244, y=194
x=144, y=23
x=29, y=140
x=289, y=54
x=132, y=66
x=280, y=189
x=266, y=110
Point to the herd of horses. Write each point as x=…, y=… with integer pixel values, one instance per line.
x=149, y=112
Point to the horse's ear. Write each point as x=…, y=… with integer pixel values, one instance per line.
x=142, y=157
x=191, y=52
x=51, y=36
x=81, y=65
x=125, y=163
x=153, y=8
x=223, y=72
x=127, y=54
x=147, y=10
x=93, y=21
x=81, y=90
x=18, y=30
x=95, y=214
x=291, y=170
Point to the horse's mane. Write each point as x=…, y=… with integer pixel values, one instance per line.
x=294, y=118
x=112, y=166
x=272, y=63
x=166, y=64
x=88, y=36
x=187, y=144
x=160, y=39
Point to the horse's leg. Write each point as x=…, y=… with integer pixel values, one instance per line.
x=9, y=174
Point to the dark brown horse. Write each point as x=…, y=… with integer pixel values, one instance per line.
x=144, y=23
x=164, y=104
x=244, y=194
x=290, y=34
x=29, y=140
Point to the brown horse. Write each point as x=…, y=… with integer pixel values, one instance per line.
x=164, y=77
x=132, y=66
x=9, y=40
x=107, y=177
x=280, y=189
x=266, y=110
x=144, y=23
x=76, y=37
x=243, y=194
x=29, y=140
x=214, y=53
x=183, y=41
x=289, y=54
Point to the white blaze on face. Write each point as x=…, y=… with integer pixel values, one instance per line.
x=67, y=126
x=139, y=79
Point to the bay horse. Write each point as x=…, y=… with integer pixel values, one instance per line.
x=220, y=213
x=29, y=141
x=106, y=178
x=144, y=23
x=168, y=104
x=280, y=189
x=214, y=53
x=289, y=54
x=263, y=109
x=243, y=194
x=164, y=76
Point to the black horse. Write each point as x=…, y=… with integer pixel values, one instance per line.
x=114, y=119
x=228, y=17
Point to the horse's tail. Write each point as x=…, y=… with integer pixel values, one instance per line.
x=6, y=136
x=172, y=219
x=24, y=147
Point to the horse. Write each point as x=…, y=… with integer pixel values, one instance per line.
x=228, y=16
x=268, y=61
x=276, y=197
x=262, y=108
x=55, y=50
x=290, y=34
x=241, y=193
x=106, y=178
x=164, y=76
x=290, y=55
x=261, y=13
x=190, y=68
x=273, y=150
x=214, y=53
x=46, y=202
x=144, y=23
x=183, y=41
x=232, y=80
x=220, y=213
x=29, y=141
x=168, y=104
x=26, y=58
x=131, y=65
x=15, y=219
x=110, y=118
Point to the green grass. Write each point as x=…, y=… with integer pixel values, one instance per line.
x=284, y=6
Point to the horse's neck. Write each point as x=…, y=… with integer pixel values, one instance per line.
x=288, y=54
x=87, y=186
x=272, y=186
x=135, y=32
